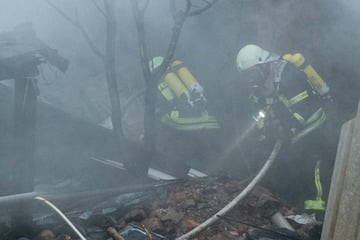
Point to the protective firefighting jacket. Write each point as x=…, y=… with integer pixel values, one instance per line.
x=296, y=103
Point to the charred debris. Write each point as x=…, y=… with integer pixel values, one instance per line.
x=118, y=178
x=164, y=210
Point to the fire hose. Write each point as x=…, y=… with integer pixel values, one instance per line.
x=238, y=198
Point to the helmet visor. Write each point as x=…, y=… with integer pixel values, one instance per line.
x=272, y=57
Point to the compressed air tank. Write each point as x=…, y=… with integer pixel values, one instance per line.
x=187, y=78
x=313, y=77
x=177, y=86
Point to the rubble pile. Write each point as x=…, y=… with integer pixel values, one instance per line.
x=179, y=209
x=169, y=212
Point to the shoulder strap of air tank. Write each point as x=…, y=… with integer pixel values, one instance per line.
x=278, y=74
x=177, y=66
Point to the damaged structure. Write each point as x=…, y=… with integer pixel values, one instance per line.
x=21, y=55
x=171, y=208
x=68, y=172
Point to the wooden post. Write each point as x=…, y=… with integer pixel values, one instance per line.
x=23, y=164
x=24, y=135
x=342, y=217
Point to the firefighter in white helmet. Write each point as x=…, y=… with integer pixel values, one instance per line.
x=286, y=88
x=289, y=94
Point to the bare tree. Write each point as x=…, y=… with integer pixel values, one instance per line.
x=108, y=58
x=152, y=78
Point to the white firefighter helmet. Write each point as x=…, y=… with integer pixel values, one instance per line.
x=251, y=55
x=155, y=62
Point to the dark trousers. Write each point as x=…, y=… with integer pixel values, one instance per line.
x=292, y=175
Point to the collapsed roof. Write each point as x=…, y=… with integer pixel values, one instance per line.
x=21, y=48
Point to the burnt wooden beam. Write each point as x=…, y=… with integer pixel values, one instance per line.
x=24, y=134
x=23, y=162
x=342, y=217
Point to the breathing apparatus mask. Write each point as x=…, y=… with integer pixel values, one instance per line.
x=257, y=77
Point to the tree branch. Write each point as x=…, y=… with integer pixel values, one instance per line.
x=96, y=5
x=179, y=19
x=173, y=8
x=77, y=24
x=201, y=10
x=111, y=76
x=139, y=20
x=151, y=87
x=143, y=9
x=152, y=78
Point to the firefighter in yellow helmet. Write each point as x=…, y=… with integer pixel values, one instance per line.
x=186, y=126
x=182, y=104
x=289, y=96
